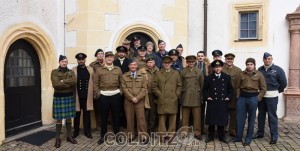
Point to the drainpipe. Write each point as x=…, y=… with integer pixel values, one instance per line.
x=65, y=27
x=205, y=28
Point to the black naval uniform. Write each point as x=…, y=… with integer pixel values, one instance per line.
x=83, y=77
x=218, y=88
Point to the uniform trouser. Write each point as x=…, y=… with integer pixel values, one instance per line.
x=246, y=106
x=151, y=114
x=268, y=105
x=113, y=104
x=220, y=129
x=123, y=121
x=178, y=123
x=137, y=110
x=203, y=117
x=162, y=123
x=232, y=122
x=86, y=118
x=196, y=118
x=97, y=110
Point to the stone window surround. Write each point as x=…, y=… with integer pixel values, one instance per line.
x=247, y=7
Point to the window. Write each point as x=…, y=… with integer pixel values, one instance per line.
x=248, y=25
x=20, y=69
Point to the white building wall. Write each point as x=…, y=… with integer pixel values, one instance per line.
x=278, y=39
x=48, y=15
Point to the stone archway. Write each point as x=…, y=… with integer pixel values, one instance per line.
x=46, y=53
x=152, y=33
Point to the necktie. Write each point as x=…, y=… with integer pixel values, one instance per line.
x=200, y=65
x=133, y=75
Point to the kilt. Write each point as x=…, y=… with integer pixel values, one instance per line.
x=64, y=107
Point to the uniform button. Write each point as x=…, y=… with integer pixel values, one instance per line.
x=80, y=88
x=216, y=98
x=215, y=88
x=222, y=98
x=222, y=94
x=215, y=93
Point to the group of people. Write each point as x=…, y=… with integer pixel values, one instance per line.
x=154, y=89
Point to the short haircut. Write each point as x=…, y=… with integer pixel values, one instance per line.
x=201, y=52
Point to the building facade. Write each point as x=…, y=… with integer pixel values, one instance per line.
x=34, y=33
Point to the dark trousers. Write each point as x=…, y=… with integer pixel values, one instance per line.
x=232, y=122
x=245, y=106
x=86, y=118
x=123, y=121
x=268, y=105
x=220, y=129
x=203, y=117
x=113, y=104
x=97, y=110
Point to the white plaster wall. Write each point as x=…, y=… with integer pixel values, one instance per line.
x=196, y=25
x=48, y=15
x=278, y=36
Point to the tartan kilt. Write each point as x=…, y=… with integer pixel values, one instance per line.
x=64, y=107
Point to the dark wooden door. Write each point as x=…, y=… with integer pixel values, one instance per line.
x=22, y=88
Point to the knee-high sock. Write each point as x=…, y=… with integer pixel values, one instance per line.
x=58, y=128
x=69, y=127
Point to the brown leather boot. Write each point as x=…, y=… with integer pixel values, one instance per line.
x=57, y=143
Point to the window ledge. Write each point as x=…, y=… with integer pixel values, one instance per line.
x=243, y=40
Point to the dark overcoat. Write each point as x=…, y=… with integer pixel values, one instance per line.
x=218, y=89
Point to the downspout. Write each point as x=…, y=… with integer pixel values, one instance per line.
x=65, y=27
x=205, y=28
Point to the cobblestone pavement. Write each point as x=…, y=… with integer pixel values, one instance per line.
x=289, y=139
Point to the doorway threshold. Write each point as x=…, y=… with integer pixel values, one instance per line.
x=12, y=138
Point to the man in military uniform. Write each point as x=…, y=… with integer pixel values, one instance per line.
x=202, y=63
x=84, y=95
x=251, y=89
x=192, y=83
x=141, y=58
x=160, y=53
x=167, y=87
x=121, y=60
x=179, y=48
x=217, y=91
x=177, y=64
x=276, y=83
x=107, y=89
x=63, y=81
x=98, y=63
x=134, y=86
x=130, y=52
x=217, y=55
x=151, y=113
x=150, y=48
x=234, y=72
x=136, y=44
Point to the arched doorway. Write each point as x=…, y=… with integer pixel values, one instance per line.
x=144, y=39
x=22, y=88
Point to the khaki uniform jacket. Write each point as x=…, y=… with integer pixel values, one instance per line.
x=134, y=87
x=142, y=62
x=95, y=65
x=90, y=96
x=234, y=73
x=150, y=77
x=69, y=80
x=192, y=84
x=254, y=83
x=106, y=80
x=167, y=87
